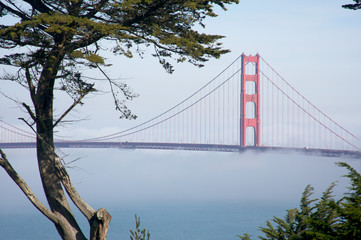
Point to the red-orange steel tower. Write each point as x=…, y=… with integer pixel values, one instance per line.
x=251, y=94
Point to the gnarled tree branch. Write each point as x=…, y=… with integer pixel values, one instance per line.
x=98, y=220
x=70, y=189
x=4, y=162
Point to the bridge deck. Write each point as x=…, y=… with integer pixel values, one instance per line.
x=190, y=147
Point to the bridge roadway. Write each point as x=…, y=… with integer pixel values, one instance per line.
x=190, y=147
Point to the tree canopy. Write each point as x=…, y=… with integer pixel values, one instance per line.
x=65, y=35
x=49, y=43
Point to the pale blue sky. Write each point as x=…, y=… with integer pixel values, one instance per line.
x=314, y=45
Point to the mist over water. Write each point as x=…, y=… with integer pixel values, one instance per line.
x=177, y=194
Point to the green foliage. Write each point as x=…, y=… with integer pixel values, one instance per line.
x=323, y=218
x=139, y=234
x=355, y=6
x=56, y=39
x=349, y=207
x=245, y=236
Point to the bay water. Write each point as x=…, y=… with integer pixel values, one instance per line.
x=178, y=195
x=165, y=221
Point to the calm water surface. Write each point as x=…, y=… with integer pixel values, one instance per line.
x=165, y=221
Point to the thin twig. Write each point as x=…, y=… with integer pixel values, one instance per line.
x=70, y=108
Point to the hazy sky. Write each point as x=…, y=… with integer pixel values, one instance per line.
x=314, y=45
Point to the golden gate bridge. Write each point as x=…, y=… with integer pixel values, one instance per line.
x=249, y=105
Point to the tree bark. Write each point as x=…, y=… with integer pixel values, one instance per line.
x=53, y=173
x=99, y=225
x=98, y=220
x=67, y=226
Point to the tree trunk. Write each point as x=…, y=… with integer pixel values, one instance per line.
x=52, y=172
x=66, y=225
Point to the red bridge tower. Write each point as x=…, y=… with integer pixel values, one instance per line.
x=250, y=99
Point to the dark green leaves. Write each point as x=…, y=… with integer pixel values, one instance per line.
x=355, y=6
x=323, y=218
x=57, y=38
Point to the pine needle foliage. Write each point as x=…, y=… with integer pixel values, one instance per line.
x=322, y=219
x=138, y=233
